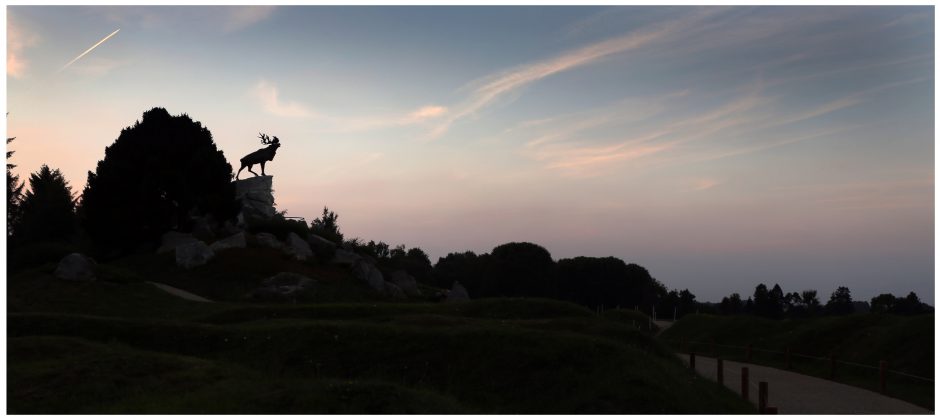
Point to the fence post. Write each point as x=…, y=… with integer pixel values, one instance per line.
x=745, y=384
x=789, y=362
x=748, y=352
x=883, y=370
x=692, y=360
x=832, y=365
x=762, y=392
x=721, y=372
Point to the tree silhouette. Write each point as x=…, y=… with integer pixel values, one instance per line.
x=731, y=305
x=811, y=302
x=840, y=302
x=523, y=269
x=326, y=226
x=154, y=178
x=883, y=303
x=14, y=193
x=909, y=305
x=47, y=211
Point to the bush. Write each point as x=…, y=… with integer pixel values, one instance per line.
x=326, y=227
x=278, y=226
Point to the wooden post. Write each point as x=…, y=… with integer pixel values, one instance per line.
x=832, y=365
x=883, y=370
x=692, y=361
x=789, y=363
x=762, y=392
x=721, y=372
x=748, y=355
x=745, y=384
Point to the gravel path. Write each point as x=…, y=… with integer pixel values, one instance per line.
x=793, y=393
x=179, y=292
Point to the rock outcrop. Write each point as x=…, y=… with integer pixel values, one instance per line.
x=193, y=254
x=268, y=240
x=283, y=286
x=406, y=282
x=369, y=274
x=457, y=293
x=235, y=241
x=297, y=247
x=76, y=267
x=172, y=239
x=256, y=195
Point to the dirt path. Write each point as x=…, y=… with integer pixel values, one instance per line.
x=793, y=393
x=179, y=292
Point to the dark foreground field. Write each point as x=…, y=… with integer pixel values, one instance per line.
x=123, y=346
x=858, y=342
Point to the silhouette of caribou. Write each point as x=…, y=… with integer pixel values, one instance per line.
x=260, y=156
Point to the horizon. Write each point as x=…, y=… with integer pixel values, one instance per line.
x=718, y=147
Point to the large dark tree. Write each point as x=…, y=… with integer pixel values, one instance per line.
x=153, y=178
x=523, y=269
x=595, y=281
x=466, y=268
x=883, y=303
x=47, y=211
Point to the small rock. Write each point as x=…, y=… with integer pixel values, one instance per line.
x=76, y=267
x=268, y=240
x=344, y=257
x=172, y=239
x=406, y=282
x=366, y=272
x=193, y=254
x=394, y=291
x=297, y=247
x=235, y=241
x=283, y=286
x=457, y=293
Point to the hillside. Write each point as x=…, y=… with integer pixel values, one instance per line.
x=123, y=346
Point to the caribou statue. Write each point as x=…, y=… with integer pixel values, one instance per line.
x=260, y=156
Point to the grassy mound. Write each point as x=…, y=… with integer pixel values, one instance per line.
x=124, y=346
x=907, y=343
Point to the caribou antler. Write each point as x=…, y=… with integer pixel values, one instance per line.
x=264, y=138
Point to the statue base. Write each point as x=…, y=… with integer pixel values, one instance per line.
x=256, y=195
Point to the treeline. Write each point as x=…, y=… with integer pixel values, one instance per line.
x=775, y=304
x=521, y=269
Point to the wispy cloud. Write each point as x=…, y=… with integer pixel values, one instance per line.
x=491, y=88
x=90, y=49
x=225, y=19
x=270, y=99
x=427, y=112
x=240, y=17
x=702, y=184
x=18, y=40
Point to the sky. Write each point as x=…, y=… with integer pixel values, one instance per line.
x=719, y=147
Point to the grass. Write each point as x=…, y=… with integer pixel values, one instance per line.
x=124, y=346
x=905, y=342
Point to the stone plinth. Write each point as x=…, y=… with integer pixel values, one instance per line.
x=256, y=195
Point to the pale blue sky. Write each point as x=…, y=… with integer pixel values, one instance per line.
x=718, y=147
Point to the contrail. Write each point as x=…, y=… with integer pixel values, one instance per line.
x=89, y=50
